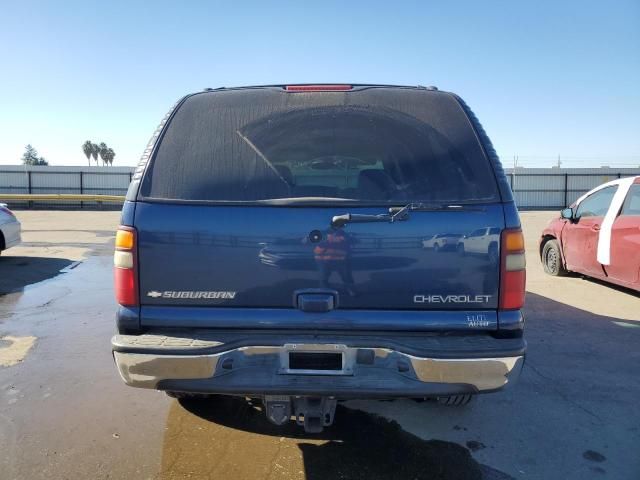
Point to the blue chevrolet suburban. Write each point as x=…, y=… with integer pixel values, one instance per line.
x=276, y=244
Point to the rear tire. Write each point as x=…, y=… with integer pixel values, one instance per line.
x=552, y=259
x=455, y=400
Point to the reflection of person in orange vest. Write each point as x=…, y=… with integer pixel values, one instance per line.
x=333, y=254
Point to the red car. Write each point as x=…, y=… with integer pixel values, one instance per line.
x=598, y=236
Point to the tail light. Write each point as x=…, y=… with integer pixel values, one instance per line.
x=512, y=270
x=125, y=267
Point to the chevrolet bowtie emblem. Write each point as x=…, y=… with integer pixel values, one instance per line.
x=154, y=294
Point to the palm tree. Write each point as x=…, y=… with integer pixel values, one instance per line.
x=95, y=149
x=103, y=152
x=87, y=148
x=111, y=156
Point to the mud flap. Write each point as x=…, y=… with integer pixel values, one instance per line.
x=312, y=413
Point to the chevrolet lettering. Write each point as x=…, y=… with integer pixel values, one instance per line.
x=451, y=299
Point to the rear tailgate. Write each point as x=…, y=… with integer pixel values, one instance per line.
x=259, y=257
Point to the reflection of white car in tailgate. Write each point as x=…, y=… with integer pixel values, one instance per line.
x=9, y=228
x=481, y=241
x=441, y=241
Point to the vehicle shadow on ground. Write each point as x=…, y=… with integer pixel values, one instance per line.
x=232, y=437
x=18, y=272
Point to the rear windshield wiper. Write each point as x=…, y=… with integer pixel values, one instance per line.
x=341, y=220
x=395, y=214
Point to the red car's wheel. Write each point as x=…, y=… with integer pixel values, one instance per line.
x=552, y=259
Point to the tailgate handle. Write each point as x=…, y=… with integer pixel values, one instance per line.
x=316, y=301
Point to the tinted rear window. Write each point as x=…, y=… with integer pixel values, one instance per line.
x=373, y=145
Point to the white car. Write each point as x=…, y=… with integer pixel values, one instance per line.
x=9, y=228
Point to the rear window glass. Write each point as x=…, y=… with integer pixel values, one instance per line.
x=375, y=145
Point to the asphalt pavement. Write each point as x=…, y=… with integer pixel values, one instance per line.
x=65, y=413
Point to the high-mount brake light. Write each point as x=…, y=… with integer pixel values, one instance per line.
x=512, y=270
x=125, y=267
x=318, y=88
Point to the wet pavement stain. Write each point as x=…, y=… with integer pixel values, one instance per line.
x=19, y=272
x=226, y=437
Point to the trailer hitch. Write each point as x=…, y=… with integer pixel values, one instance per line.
x=312, y=413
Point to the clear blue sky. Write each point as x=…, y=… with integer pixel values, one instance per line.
x=545, y=77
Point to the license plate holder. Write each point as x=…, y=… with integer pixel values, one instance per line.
x=315, y=359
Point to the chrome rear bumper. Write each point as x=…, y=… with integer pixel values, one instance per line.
x=263, y=370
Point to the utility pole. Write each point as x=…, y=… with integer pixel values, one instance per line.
x=559, y=162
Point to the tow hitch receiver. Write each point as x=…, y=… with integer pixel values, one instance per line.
x=313, y=413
